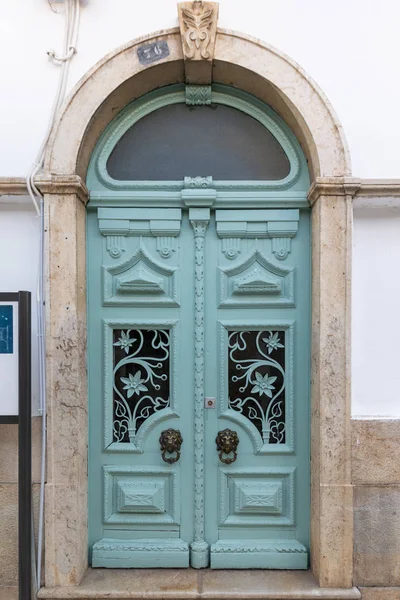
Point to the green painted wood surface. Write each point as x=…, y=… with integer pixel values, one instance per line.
x=161, y=257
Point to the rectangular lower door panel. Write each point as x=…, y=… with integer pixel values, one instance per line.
x=140, y=553
x=258, y=554
x=256, y=496
x=259, y=500
x=141, y=496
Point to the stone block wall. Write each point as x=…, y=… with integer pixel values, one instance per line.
x=376, y=479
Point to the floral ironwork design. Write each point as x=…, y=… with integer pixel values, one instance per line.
x=256, y=370
x=134, y=384
x=140, y=378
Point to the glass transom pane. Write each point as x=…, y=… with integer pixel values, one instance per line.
x=179, y=140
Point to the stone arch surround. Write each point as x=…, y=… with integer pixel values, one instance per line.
x=112, y=83
x=239, y=60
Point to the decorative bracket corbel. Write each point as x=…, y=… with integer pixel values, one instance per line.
x=198, y=191
x=198, y=95
x=198, y=25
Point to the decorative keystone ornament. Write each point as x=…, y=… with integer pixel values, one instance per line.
x=198, y=25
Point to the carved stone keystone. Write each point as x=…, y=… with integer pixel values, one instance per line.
x=198, y=25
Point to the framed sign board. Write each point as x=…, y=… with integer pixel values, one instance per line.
x=8, y=358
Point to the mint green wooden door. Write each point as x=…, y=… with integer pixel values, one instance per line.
x=257, y=366
x=140, y=321
x=198, y=356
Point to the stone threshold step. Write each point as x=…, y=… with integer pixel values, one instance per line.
x=192, y=584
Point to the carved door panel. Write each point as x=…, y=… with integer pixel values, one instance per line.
x=141, y=422
x=257, y=368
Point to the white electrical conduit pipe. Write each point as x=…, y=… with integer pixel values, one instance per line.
x=72, y=14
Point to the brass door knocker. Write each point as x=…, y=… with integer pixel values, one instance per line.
x=170, y=443
x=227, y=442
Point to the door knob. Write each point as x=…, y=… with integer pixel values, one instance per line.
x=170, y=443
x=227, y=442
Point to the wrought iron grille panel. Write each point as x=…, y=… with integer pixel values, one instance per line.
x=141, y=378
x=256, y=375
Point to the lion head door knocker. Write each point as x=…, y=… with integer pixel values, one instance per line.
x=170, y=443
x=227, y=442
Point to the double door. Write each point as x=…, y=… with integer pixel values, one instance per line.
x=198, y=354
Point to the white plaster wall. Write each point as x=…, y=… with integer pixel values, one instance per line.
x=351, y=49
x=376, y=312
x=19, y=255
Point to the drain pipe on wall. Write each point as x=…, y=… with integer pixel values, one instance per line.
x=72, y=14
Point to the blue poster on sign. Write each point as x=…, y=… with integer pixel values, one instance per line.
x=6, y=329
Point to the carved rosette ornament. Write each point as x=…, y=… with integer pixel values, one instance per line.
x=198, y=25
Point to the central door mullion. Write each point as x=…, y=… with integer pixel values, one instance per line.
x=199, y=549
